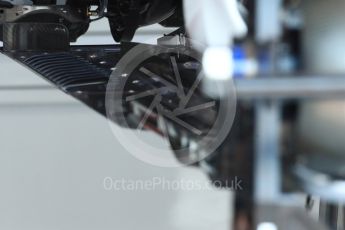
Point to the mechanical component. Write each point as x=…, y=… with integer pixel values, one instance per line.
x=74, y=19
x=11, y=3
x=83, y=72
x=126, y=16
x=35, y=36
x=163, y=94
